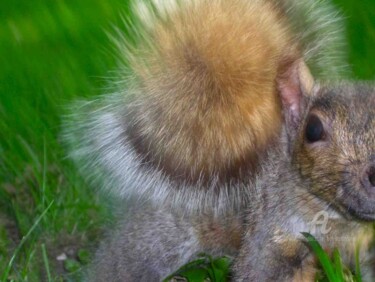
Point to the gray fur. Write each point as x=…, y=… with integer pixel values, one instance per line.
x=148, y=248
x=151, y=244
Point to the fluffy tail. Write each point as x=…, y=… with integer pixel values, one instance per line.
x=197, y=104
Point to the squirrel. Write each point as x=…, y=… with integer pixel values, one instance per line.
x=321, y=181
x=319, y=178
x=202, y=90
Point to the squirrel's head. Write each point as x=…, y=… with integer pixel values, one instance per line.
x=331, y=140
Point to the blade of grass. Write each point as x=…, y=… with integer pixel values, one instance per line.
x=358, y=275
x=46, y=264
x=338, y=264
x=24, y=239
x=322, y=256
x=44, y=178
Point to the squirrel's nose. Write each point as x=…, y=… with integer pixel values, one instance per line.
x=368, y=179
x=371, y=176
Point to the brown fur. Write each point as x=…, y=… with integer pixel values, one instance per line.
x=224, y=233
x=210, y=106
x=196, y=105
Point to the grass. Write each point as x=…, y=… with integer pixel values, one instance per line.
x=51, y=53
x=205, y=268
x=333, y=269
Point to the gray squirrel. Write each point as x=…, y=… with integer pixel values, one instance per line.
x=208, y=92
x=322, y=165
x=321, y=180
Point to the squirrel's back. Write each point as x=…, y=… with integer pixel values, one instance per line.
x=199, y=104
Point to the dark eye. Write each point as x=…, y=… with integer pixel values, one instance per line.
x=314, y=129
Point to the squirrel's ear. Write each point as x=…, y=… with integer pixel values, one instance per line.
x=294, y=84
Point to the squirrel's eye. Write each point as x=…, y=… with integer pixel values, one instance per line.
x=314, y=129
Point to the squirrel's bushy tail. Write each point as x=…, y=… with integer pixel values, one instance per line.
x=197, y=103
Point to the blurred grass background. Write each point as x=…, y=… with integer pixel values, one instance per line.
x=52, y=52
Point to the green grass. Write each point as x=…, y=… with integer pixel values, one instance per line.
x=205, y=268
x=333, y=269
x=51, y=53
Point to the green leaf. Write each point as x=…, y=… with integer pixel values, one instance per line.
x=322, y=257
x=203, y=268
x=195, y=264
x=195, y=275
x=84, y=256
x=220, y=267
x=72, y=265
